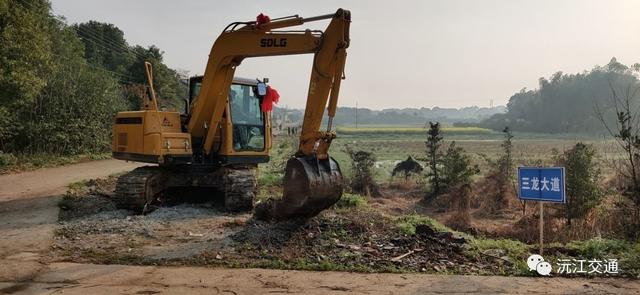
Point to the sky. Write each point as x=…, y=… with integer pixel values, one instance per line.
x=413, y=53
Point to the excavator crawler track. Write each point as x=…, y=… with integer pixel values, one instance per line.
x=240, y=188
x=133, y=188
x=140, y=189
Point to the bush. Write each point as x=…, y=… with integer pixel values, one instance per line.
x=459, y=204
x=497, y=187
x=362, y=163
x=456, y=167
x=7, y=159
x=583, y=191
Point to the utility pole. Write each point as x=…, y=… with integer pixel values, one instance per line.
x=356, y=114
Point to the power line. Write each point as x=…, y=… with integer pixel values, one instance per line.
x=84, y=34
x=95, y=40
x=112, y=43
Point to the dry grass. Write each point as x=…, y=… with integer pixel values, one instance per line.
x=460, y=207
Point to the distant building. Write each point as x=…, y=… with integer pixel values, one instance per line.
x=282, y=126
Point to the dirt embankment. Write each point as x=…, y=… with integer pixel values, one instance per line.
x=344, y=238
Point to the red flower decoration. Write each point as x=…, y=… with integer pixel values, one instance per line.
x=262, y=19
x=272, y=97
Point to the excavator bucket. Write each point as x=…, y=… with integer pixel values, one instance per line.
x=310, y=186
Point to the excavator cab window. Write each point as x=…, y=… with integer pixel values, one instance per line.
x=194, y=87
x=247, y=118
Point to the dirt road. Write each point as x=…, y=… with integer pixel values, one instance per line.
x=29, y=211
x=28, y=217
x=54, y=181
x=69, y=278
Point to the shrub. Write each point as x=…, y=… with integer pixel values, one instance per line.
x=456, y=167
x=7, y=159
x=460, y=199
x=583, y=192
x=497, y=186
x=362, y=163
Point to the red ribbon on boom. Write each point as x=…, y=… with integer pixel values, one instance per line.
x=269, y=99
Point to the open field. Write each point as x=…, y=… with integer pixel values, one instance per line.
x=397, y=232
x=371, y=130
x=389, y=149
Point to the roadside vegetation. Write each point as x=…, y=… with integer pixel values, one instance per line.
x=61, y=86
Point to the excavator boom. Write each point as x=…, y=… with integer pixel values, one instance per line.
x=313, y=181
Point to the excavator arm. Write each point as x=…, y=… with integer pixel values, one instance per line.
x=257, y=40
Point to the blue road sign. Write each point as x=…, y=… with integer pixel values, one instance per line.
x=541, y=184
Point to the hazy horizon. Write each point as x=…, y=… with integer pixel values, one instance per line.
x=404, y=54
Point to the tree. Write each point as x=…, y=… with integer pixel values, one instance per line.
x=626, y=131
x=505, y=163
x=105, y=46
x=497, y=186
x=55, y=101
x=456, y=167
x=25, y=59
x=170, y=90
x=362, y=164
x=583, y=174
x=434, y=137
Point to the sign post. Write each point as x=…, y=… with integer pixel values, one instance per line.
x=541, y=227
x=541, y=185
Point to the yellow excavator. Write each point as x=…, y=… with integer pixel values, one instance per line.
x=225, y=130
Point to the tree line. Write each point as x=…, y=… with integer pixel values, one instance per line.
x=61, y=85
x=569, y=103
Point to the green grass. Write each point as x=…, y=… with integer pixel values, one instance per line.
x=352, y=201
x=77, y=185
x=268, y=178
x=322, y=265
x=516, y=253
x=411, y=131
x=27, y=162
x=407, y=224
x=627, y=253
x=596, y=247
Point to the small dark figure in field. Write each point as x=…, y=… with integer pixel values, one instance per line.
x=407, y=168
